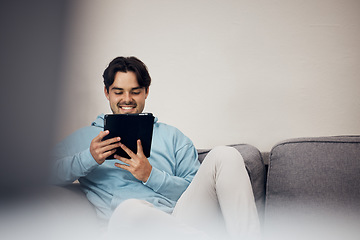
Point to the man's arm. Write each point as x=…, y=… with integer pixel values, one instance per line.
x=73, y=159
x=172, y=186
x=67, y=169
x=160, y=181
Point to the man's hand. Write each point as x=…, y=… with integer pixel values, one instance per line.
x=139, y=166
x=100, y=150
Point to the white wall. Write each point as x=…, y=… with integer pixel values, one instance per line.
x=223, y=72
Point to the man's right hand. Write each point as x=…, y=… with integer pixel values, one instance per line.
x=100, y=150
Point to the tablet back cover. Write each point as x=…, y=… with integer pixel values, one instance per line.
x=130, y=128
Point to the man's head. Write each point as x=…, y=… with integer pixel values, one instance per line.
x=127, y=82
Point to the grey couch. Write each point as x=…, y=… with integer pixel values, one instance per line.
x=305, y=173
x=298, y=179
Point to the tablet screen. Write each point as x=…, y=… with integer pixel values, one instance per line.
x=130, y=128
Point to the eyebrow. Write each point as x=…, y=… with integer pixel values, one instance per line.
x=121, y=89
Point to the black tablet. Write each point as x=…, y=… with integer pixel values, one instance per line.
x=130, y=128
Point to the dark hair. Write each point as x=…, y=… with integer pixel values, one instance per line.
x=127, y=64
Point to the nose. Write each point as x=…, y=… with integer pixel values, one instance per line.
x=127, y=98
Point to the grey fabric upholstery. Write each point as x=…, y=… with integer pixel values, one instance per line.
x=313, y=173
x=255, y=168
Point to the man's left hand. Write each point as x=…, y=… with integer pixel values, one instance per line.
x=139, y=166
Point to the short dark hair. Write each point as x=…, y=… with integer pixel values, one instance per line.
x=127, y=64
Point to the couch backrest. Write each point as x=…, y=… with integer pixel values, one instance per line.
x=310, y=176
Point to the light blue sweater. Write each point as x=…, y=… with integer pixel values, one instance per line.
x=173, y=158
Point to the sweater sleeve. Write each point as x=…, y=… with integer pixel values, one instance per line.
x=67, y=169
x=71, y=158
x=172, y=186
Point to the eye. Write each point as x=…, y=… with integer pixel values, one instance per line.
x=118, y=93
x=136, y=93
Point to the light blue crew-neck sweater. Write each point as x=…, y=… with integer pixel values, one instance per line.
x=173, y=158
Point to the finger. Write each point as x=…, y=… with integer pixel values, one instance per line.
x=109, y=147
x=123, y=166
x=101, y=135
x=128, y=151
x=108, y=154
x=109, y=141
x=124, y=160
x=139, y=148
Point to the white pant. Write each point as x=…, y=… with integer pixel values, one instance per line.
x=219, y=203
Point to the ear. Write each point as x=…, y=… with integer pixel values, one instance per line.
x=147, y=92
x=106, y=93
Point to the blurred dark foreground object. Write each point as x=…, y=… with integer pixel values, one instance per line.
x=31, y=44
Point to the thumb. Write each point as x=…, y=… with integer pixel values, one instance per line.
x=139, y=147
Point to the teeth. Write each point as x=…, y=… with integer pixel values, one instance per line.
x=127, y=108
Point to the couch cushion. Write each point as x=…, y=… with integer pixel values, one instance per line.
x=314, y=174
x=255, y=167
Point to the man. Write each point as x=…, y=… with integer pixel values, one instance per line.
x=155, y=191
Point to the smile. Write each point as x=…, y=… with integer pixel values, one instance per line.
x=127, y=107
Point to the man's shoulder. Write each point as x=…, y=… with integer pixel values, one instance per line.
x=167, y=128
x=83, y=134
x=168, y=131
x=88, y=132
x=94, y=128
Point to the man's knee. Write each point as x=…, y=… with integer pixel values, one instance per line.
x=225, y=154
x=130, y=211
x=134, y=203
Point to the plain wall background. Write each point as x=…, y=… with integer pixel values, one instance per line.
x=223, y=72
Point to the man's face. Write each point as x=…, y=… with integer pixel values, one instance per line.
x=125, y=95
